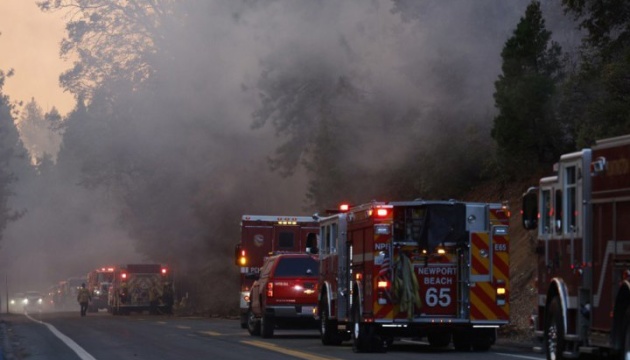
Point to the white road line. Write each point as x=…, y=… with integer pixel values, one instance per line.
x=83, y=355
x=520, y=356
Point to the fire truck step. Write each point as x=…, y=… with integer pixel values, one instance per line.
x=589, y=350
x=570, y=355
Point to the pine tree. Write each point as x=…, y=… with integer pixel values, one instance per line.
x=526, y=129
x=11, y=153
x=598, y=99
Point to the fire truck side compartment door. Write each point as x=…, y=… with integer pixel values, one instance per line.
x=477, y=223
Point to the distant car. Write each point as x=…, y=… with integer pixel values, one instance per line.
x=284, y=295
x=16, y=302
x=33, y=300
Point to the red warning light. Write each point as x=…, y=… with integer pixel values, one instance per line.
x=381, y=212
x=344, y=207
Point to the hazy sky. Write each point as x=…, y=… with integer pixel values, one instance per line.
x=29, y=44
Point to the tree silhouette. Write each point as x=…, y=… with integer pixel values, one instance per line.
x=526, y=129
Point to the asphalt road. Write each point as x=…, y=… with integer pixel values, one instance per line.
x=66, y=335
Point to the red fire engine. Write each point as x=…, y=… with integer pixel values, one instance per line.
x=262, y=235
x=132, y=286
x=98, y=281
x=581, y=215
x=434, y=269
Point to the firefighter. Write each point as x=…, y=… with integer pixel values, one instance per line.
x=168, y=297
x=154, y=297
x=83, y=297
x=123, y=293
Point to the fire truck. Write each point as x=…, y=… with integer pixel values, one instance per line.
x=582, y=216
x=424, y=269
x=98, y=281
x=263, y=235
x=131, y=286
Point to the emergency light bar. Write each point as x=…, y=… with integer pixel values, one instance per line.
x=287, y=222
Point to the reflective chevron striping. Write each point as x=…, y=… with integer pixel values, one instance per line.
x=501, y=268
x=483, y=304
x=480, y=265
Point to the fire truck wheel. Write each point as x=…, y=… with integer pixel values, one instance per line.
x=253, y=324
x=461, y=341
x=439, y=340
x=482, y=339
x=244, y=321
x=554, y=331
x=625, y=351
x=267, y=325
x=328, y=328
x=363, y=337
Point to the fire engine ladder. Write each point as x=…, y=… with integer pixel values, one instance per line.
x=463, y=283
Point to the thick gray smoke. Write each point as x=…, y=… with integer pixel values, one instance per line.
x=187, y=134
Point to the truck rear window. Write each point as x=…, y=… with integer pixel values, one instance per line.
x=285, y=240
x=302, y=267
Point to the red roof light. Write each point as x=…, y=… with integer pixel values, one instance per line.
x=381, y=212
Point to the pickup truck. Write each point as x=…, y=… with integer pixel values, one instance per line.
x=284, y=294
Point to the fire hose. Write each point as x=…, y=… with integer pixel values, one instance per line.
x=406, y=286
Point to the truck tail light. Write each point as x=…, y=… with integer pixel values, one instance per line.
x=501, y=294
x=123, y=275
x=242, y=259
x=269, y=289
x=383, y=291
x=164, y=271
x=381, y=212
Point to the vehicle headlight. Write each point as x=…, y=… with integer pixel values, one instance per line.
x=39, y=301
x=12, y=302
x=25, y=301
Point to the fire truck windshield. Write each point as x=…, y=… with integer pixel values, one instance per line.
x=430, y=225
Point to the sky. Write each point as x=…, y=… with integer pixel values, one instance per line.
x=29, y=44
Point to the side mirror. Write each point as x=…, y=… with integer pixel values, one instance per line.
x=311, y=244
x=529, y=209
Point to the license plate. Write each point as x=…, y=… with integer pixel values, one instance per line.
x=307, y=310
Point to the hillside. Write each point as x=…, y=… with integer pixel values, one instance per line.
x=522, y=256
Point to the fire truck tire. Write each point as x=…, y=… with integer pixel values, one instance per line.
x=554, y=331
x=482, y=339
x=461, y=341
x=625, y=350
x=244, y=321
x=439, y=340
x=359, y=332
x=267, y=325
x=363, y=335
x=253, y=324
x=328, y=328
